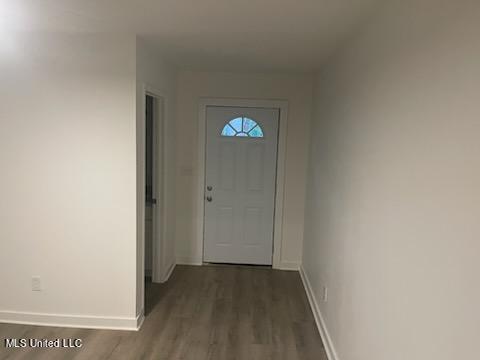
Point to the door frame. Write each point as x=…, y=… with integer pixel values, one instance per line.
x=159, y=234
x=282, y=106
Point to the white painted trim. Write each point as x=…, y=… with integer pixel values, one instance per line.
x=158, y=245
x=72, y=321
x=282, y=106
x=140, y=319
x=289, y=265
x=169, y=272
x=189, y=260
x=319, y=320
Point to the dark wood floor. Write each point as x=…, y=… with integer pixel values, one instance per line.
x=209, y=312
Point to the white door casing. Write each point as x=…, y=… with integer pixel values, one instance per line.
x=240, y=180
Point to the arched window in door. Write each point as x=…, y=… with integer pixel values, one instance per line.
x=242, y=126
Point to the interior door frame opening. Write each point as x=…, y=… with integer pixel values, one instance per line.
x=282, y=107
x=158, y=238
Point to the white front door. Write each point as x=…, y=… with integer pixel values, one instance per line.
x=241, y=162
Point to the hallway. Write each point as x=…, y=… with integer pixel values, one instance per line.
x=209, y=312
x=331, y=145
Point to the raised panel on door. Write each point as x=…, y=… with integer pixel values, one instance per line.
x=254, y=169
x=224, y=226
x=252, y=224
x=226, y=166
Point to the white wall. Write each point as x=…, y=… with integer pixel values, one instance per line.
x=294, y=88
x=159, y=76
x=392, y=219
x=67, y=183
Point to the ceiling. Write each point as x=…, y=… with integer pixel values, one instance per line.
x=248, y=35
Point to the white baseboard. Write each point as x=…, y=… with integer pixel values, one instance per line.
x=288, y=265
x=192, y=260
x=322, y=328
x=189, y=260
x=72, y=321
x=140, y=319
x=169, y=272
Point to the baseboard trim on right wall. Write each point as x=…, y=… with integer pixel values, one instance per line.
x=322, y=328
x=288, y=265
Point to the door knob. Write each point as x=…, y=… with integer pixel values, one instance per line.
x=209, y=188
x=209, y=198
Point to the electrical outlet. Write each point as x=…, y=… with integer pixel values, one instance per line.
x=325, y=294
x=36, y=283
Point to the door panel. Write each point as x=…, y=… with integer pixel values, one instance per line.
x=255, y=164
x=253, y=219
x=224, y=225
x=241, y=155
x=226, y=166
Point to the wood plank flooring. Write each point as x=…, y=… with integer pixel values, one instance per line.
x=208, y=312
